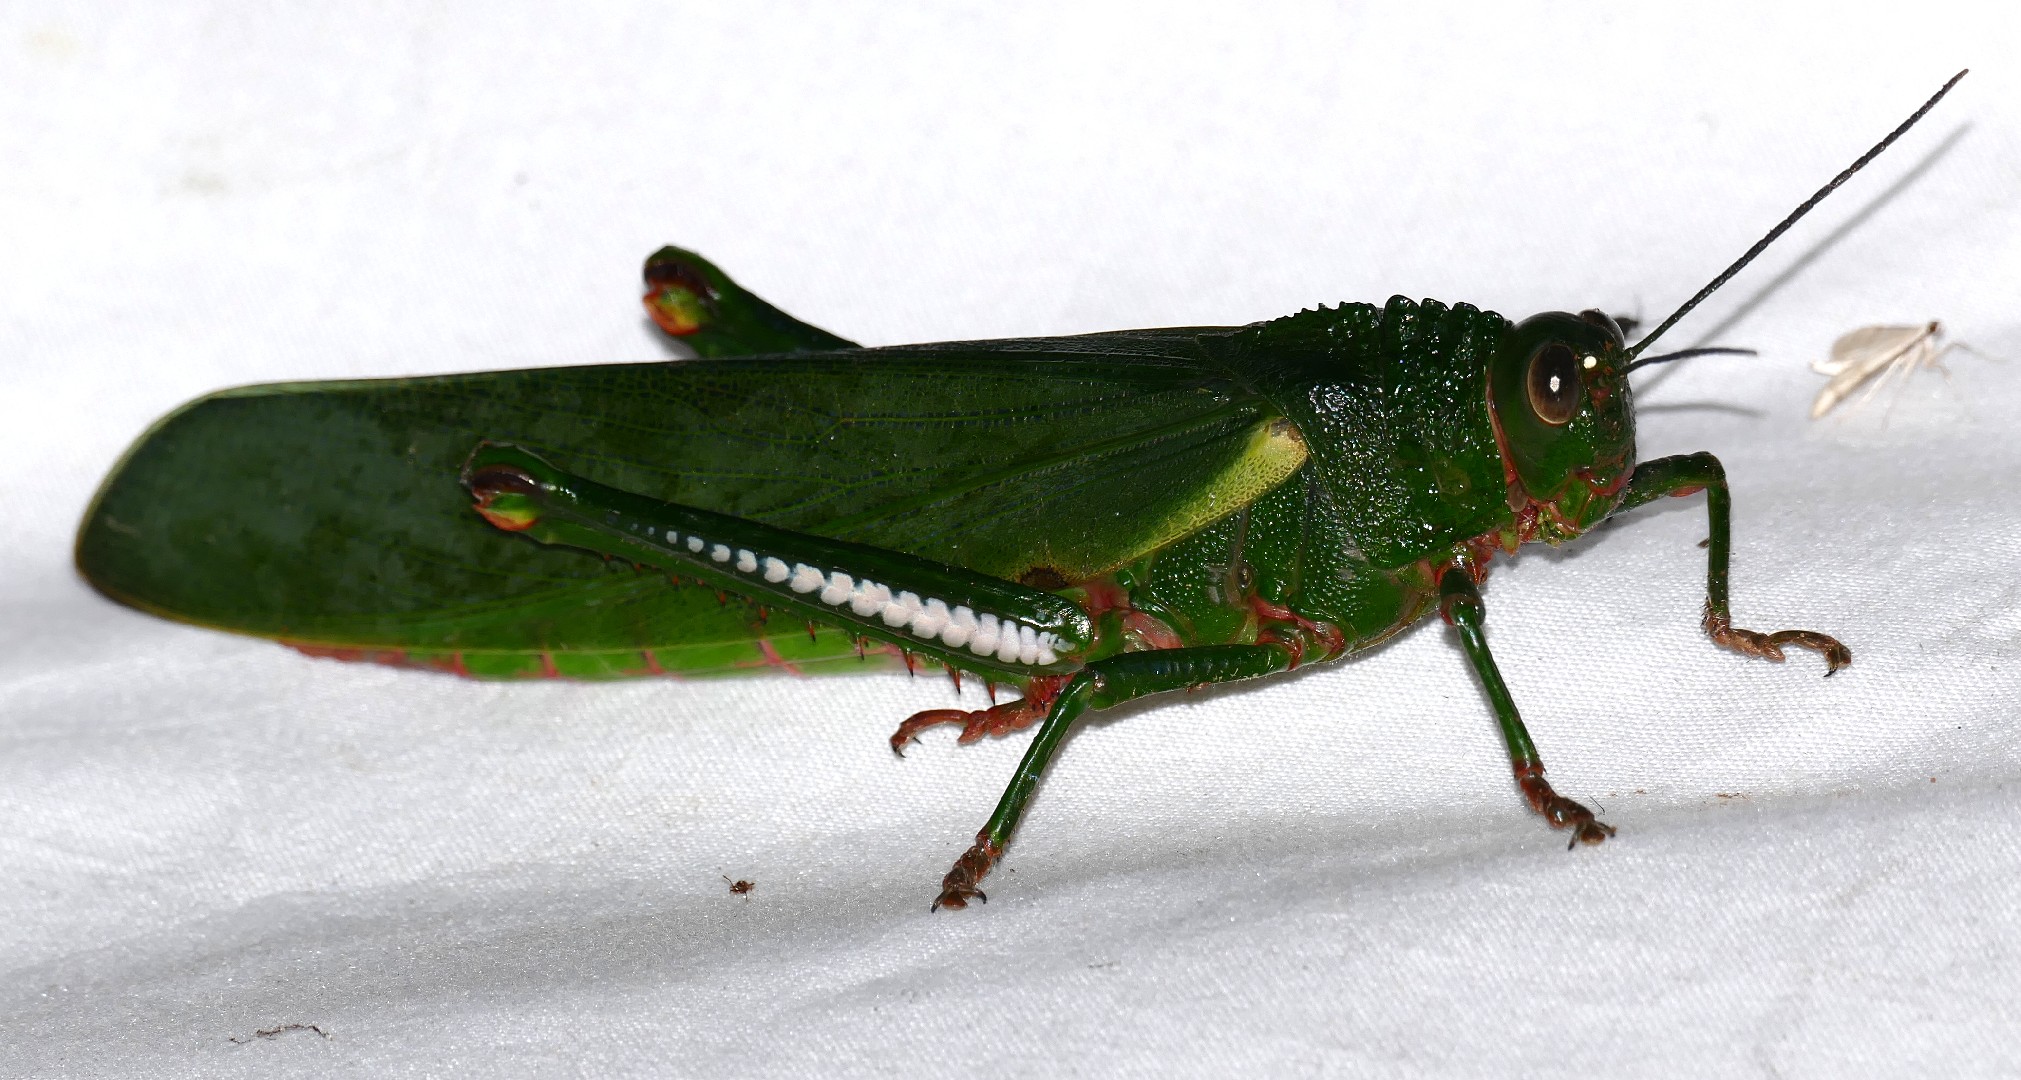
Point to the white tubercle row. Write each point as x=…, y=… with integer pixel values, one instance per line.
x=958, y=627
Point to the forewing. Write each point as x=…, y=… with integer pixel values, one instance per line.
x=330, y=514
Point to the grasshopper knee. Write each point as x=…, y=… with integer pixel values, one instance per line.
x=1459, y=600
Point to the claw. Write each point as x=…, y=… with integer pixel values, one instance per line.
x=961, y=882
x=1589, y=834
x=1560, y=811
x=1769, y=646
x=909, y=729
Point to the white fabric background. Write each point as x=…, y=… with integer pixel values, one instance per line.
x=203, y=836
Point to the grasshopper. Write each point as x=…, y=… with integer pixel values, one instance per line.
x=1092, y=519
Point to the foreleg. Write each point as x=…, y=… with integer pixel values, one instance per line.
x=1686, y=474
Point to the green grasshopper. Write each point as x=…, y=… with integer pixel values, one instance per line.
x=1093, y=518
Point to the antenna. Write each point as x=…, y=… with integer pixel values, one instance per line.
x=1686, y=354
x=1795, y=215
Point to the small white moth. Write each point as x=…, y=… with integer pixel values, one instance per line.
x=1889, y=352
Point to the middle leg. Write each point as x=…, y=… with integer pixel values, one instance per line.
x=1101, y=684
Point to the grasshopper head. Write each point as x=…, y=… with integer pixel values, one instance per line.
x=1558, y=391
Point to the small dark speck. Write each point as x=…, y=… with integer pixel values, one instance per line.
x=277, y=1032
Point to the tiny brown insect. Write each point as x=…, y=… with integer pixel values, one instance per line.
x=740, y=887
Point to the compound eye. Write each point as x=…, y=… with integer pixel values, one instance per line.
x=1555, y=392
x=1617, y=327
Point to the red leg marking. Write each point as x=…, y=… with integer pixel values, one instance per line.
x=1293, y=643
x=1327, y=634
x=1151, y=630
x=1103, y=595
